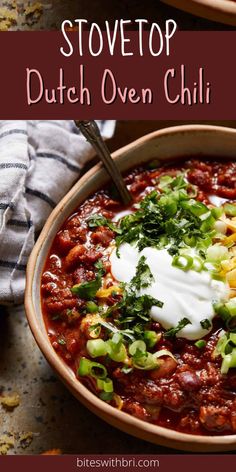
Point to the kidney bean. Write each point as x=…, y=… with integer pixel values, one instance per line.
x=189, y=381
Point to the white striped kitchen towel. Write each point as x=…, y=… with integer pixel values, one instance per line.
x=39, y=162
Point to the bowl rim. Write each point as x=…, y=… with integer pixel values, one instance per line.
x=120, y=419
x=223, y=11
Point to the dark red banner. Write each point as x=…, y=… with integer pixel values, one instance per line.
x=195, y=81
x=151, y=463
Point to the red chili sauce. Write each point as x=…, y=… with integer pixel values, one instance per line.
x=191, y=396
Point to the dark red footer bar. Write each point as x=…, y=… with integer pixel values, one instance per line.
x=150, y=463
x=195, y=81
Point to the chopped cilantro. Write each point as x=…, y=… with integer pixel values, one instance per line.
x=170, y=333
x=171, y=218
x=135, y=309
x=99, y=266
x=88, y=290
x=205, y=324
x=100, y=220
x=143, y=276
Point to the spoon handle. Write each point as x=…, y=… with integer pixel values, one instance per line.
x=91, y=132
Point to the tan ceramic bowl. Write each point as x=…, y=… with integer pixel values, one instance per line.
x=164, y=145
x=223, y=11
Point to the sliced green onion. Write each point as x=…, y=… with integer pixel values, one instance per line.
x=183, y=262
x=231, y=306
x=205, y=215
x=229, y=361
x=195, y=207
x=204, y=243
x=151, y=338
x=216, y=276
x=142, y=359
x=211, y=267
x=164, y=352
x=147, y=361
x=226, y=347
x=230, y=209
x=87, y=367
x=227, y=311
x=200, y=344
x=222, y=311
x=91, y=307
x=98, y=371
x=217, y=212
x=221, y=344
x=165, y=181
x=106, y=396
x=96, y=347
x=106, y=385
x=197, y=264
x=115, y=348
x=169, y=204
x=207, y=223
x=180, y=181
x=232, y=338
x=117, y=339
x=84, y=366
x=137, y=346
x=217, y=253
x=231, y=323
x=116, y=354
x=190, y=240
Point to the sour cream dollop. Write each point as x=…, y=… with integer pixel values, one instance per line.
x=185, y=294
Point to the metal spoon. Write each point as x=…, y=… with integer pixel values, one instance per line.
x=92, y=133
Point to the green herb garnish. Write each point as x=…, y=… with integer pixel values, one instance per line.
x=143, y=277
x=205, y=324
x=99, y=220
x=230, y=209
x=99, y=266
x=171, y=219
x=170, y=333
x=88, y=290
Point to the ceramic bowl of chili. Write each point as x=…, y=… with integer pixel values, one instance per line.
x=208, y=153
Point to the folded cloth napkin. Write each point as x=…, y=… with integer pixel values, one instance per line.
x=39, y=162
